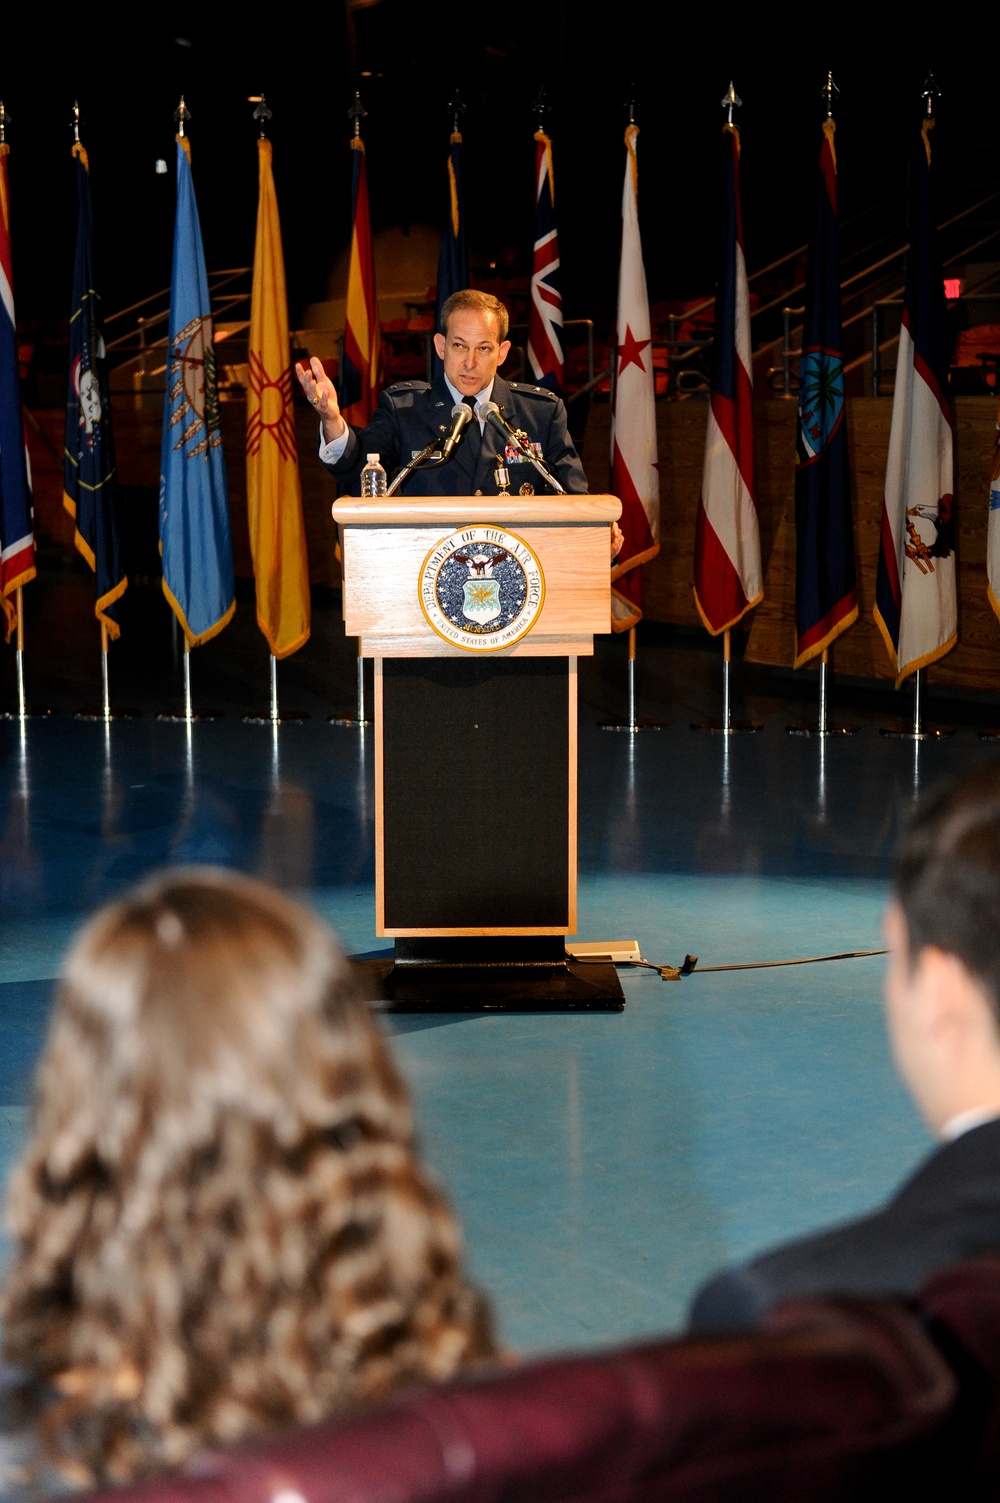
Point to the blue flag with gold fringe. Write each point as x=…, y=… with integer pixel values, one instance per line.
x=826, y=592
x=195, y=538
x=89, y=475
x=453, y=261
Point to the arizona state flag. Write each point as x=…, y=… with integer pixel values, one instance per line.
x=826, y=591
x=635, y=478
x=545, y=321
x=727, y=572
x=194, y=511
x=362, y=371
x=916, y=604
x=274, y=489
x=17, y=542
x=89, y=475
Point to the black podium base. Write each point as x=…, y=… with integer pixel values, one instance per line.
x=531, y=974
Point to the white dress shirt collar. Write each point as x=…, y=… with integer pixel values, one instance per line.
x=964, y=1122
x=481, y=396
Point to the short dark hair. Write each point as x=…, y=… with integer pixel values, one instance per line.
x=947, y=875
x=480, y=302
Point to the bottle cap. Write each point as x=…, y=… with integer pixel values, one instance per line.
x=373, y=459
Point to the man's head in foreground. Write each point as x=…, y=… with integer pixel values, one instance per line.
x=942, y=985
x=474, y=339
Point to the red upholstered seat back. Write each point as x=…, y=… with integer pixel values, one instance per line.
x=848, y=1401
x=962, y=1305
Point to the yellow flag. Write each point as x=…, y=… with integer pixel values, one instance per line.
x=274, y=490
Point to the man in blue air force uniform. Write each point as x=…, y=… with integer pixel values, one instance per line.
x=412, y=414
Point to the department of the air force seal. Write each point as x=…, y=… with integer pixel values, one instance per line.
x=481, y=588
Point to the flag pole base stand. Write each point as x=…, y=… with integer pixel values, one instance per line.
x=632, y=727
x=121, y=713
x=735, y=727
x=351, y=720
x=926, y=732
x=811, y=728
x=31, y=712
x=287, y=717
x=194, y=715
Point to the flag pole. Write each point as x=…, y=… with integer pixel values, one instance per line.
x=822, y=726
x=21, y=707
x=358, y=719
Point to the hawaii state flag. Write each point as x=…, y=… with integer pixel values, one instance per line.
x=826, y=592
x=194, y=511
x=89, y=476
x=453, y=260
x=17, y=542
x=362, y=372
x=727, y=572
x=274, y=488
x=993, y=528
x=916, y=606
x=635, y=479
x=545, y=321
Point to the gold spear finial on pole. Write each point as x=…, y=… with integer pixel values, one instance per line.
x=730, y=101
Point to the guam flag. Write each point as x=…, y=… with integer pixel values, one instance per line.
x=17, y=543
x=545, y=327
x=89, y=493
x=727, y=572
x=826, y=594
x=362, y=341
x=453, y=261
x=916, y=607
x=194, y=512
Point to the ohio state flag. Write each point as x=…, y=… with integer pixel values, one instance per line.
x=635, y=478
x=916, y=604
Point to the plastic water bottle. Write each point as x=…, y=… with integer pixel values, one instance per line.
x=373, y=481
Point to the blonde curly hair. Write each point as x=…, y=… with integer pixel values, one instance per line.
x=221, y=1223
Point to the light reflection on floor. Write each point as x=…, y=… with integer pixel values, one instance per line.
x=602, y=1164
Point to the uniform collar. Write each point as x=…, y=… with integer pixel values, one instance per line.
x=481, y=396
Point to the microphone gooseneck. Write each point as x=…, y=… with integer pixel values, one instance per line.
x=460, y=415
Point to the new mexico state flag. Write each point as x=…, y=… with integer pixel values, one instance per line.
x=274, y=490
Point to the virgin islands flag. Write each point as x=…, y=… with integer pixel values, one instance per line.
x=194, y=513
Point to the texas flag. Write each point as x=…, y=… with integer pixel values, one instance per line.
x=545, y=321
x=916, y=605
x=727, y=572
x=635, y=478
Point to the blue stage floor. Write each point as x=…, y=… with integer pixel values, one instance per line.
x=603, y=1164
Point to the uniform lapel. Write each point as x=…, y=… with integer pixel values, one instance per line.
x=493, y=444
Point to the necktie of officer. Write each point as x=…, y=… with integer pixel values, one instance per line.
x=473, y=436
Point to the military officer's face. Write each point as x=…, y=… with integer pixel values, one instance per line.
x=471, y=350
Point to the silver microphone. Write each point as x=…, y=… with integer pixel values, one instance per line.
x=461, y=414
x=489, y=412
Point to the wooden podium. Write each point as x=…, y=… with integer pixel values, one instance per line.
x=475, y=610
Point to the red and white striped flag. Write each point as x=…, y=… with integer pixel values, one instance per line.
x=635, y=477
x=545, y=321
x=727, y=572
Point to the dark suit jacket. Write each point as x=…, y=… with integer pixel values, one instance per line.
x=411, y=413
x=948, y=1211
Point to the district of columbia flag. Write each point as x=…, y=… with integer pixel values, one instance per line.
x=89, y=475
x=826, y=591
x=916, y=606
x=993, y=528
x=17, y=541
x=453, y=259
x=274, y=489
x=362, y=373
x=727, y=571
x=195, y=539
x=545, y=321
x=635, y=478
